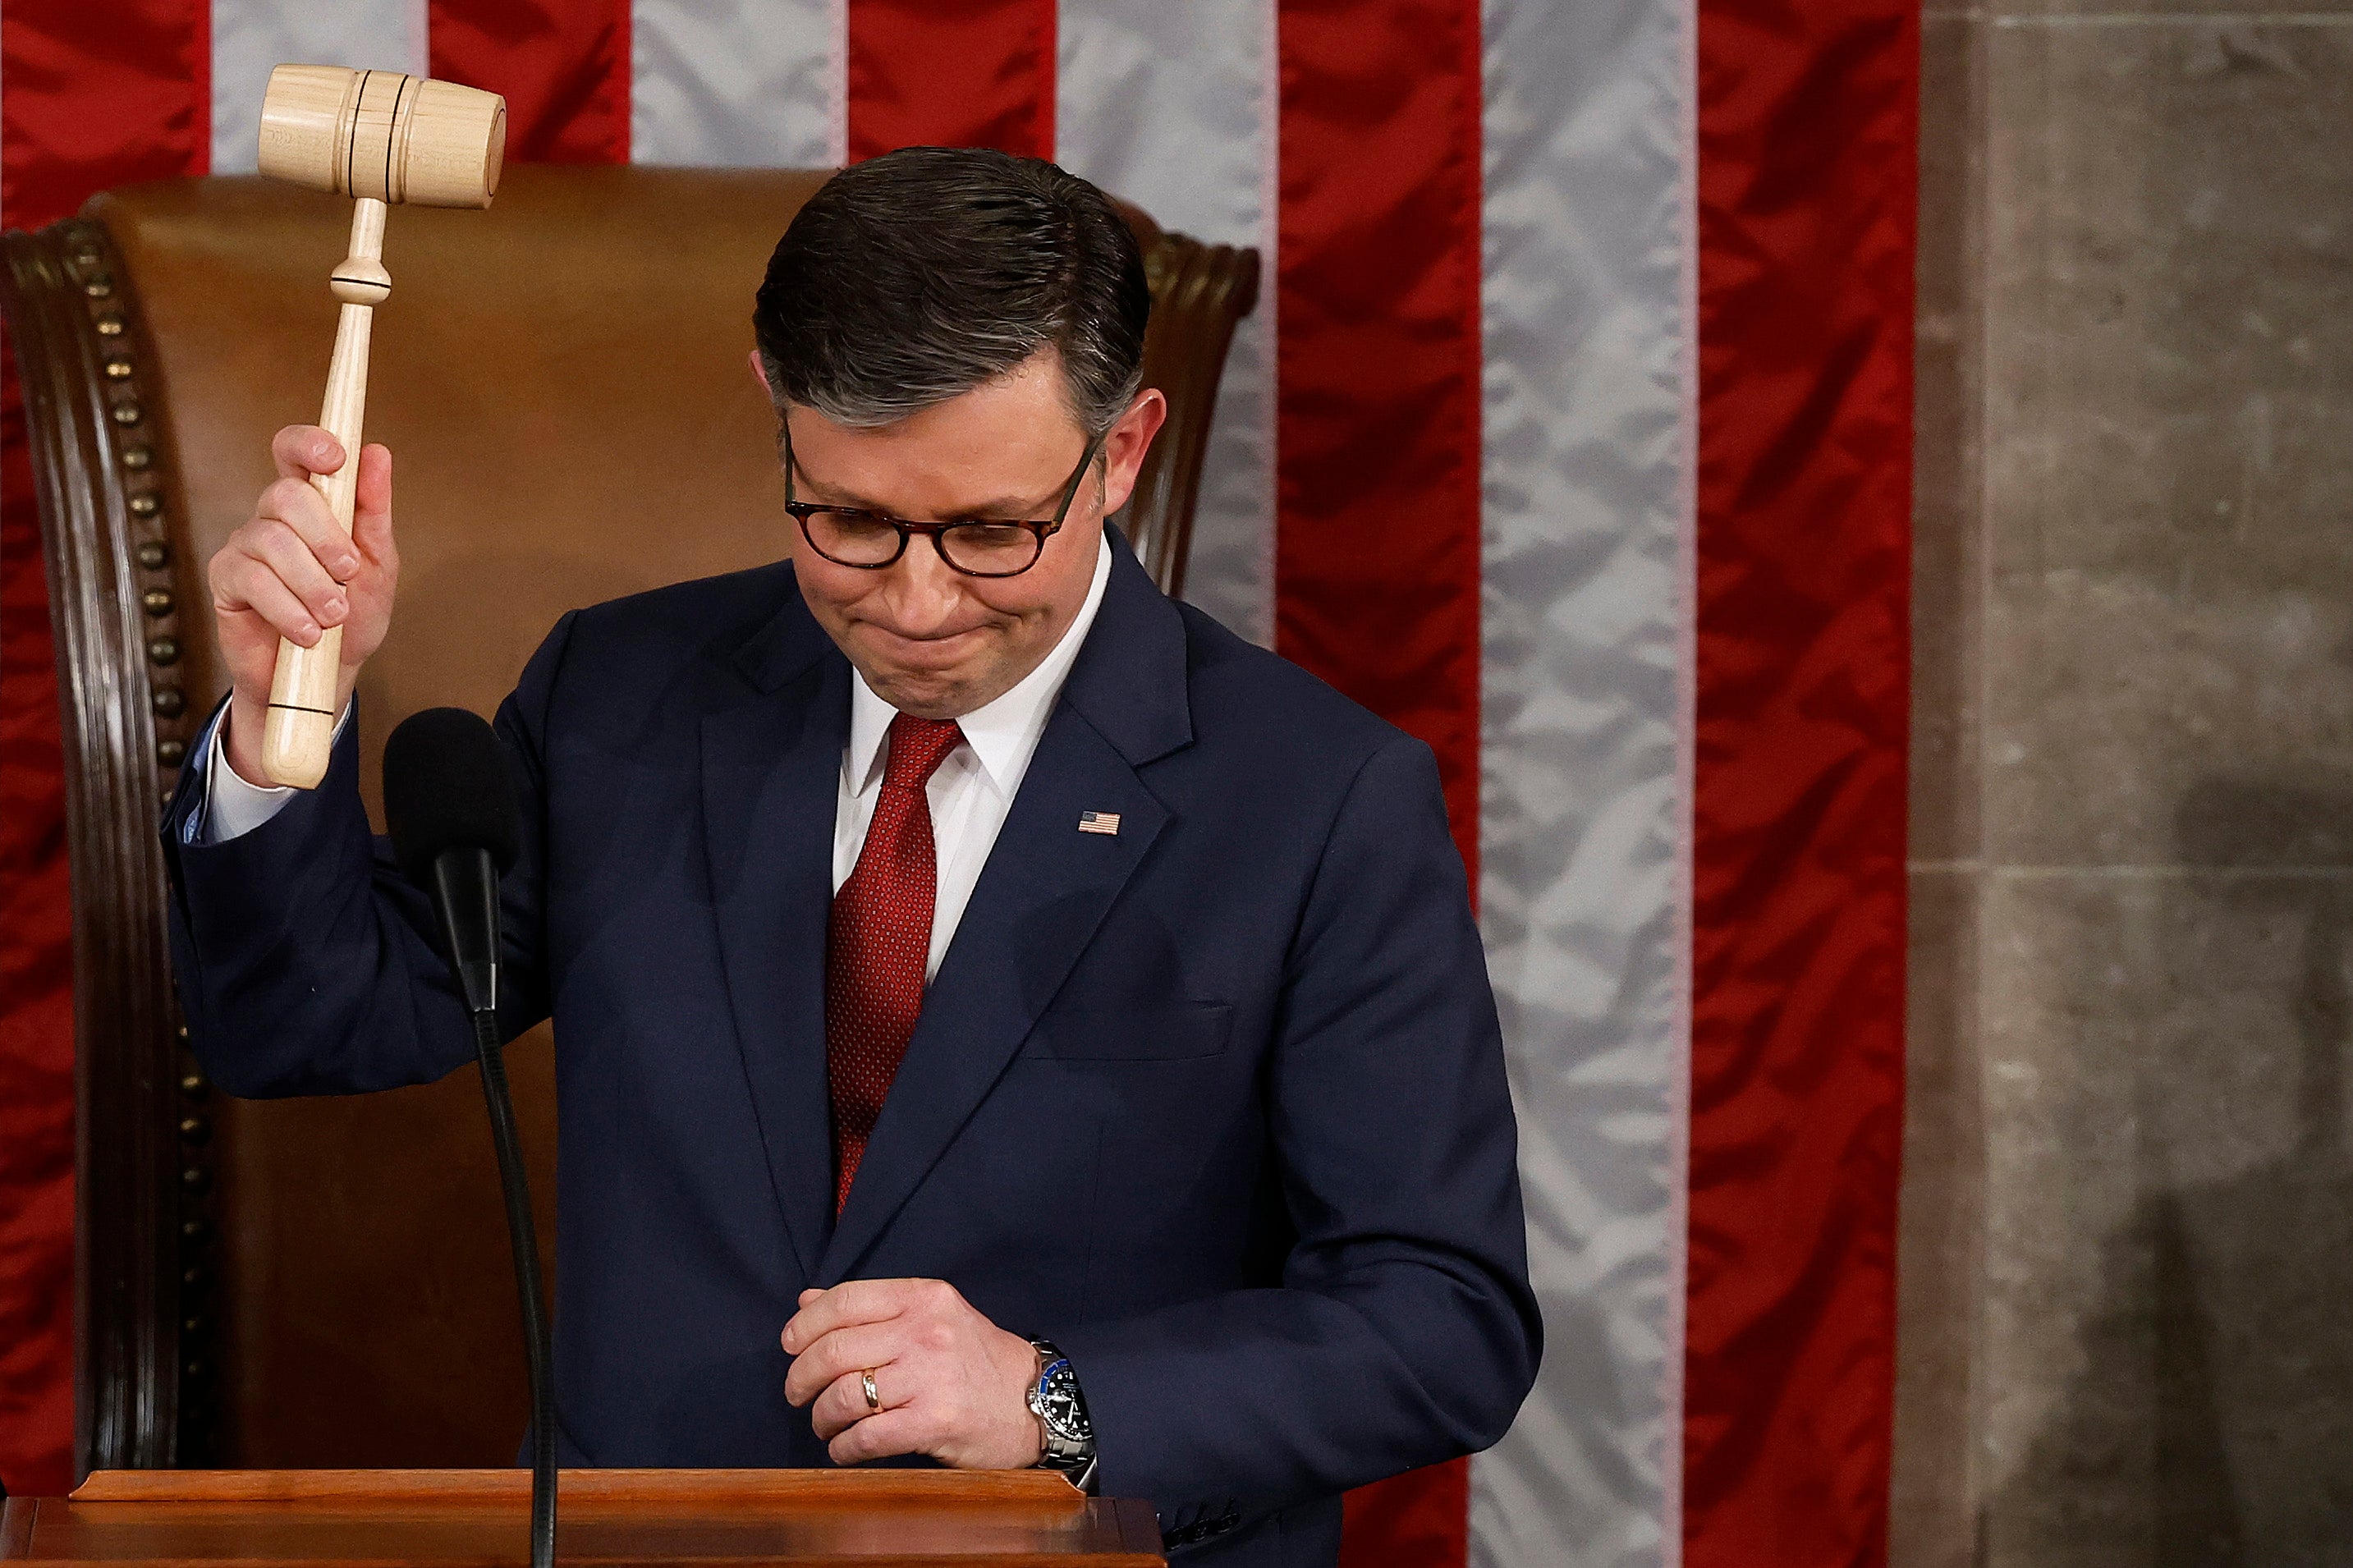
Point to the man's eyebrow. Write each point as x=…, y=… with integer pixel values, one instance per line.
x=1004, y=509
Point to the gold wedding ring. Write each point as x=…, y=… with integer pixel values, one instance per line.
x=874, y=1400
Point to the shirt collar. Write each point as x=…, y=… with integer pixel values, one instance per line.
x=1001, y=733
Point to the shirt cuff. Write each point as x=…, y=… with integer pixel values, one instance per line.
x=232, y=807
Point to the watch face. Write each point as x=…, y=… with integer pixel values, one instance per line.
x=1060, y=1404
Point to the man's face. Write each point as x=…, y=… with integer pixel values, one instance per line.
x=931, y=641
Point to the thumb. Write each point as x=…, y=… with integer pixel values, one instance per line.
x=371, y=506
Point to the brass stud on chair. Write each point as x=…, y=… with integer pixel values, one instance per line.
x=193, y=1179
x=146, y=503
x=126, y=414
x=163, y=650
x=100, y=286
x=195, y=1129
x=136, y=458
x=157, y=600
x=109, y=326
x=170, y=753
x=118, y=370
x=168, y=703
x=152, y=553
x=193, y=1085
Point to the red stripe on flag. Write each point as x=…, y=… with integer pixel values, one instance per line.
x=91, y=96
x=952, y=73
x=562, y=67
x=1807, y=144
x=1378, y=542
x=1377, y=547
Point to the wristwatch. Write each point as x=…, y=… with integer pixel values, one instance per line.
x=1062, y=1412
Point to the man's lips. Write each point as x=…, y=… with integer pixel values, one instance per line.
x=936, y=648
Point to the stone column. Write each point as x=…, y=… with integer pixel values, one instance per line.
x=2126, y=1331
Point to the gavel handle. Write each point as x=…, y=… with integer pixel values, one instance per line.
x=300, y=731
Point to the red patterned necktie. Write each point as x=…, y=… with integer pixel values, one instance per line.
x=878, y=941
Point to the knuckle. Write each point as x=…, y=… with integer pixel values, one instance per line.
x=258, y=537
x=276, y=542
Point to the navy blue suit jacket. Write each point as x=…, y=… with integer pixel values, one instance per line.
x=1218, y=1103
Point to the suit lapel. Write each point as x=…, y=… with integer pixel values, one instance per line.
x=1044, y=892
x=771, y=770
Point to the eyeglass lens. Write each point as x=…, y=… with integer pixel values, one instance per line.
x=863, y=539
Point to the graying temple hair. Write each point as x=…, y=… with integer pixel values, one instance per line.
x=921, y=274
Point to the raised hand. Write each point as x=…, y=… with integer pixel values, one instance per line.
x=289, y=572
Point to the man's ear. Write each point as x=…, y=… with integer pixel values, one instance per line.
x=1125, y=444
x=761, y=371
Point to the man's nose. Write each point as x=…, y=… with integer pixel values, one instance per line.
x=926, y=591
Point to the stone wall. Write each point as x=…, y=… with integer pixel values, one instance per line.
x=2127, y=1253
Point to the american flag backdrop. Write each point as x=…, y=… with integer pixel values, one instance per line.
x=1572, y=434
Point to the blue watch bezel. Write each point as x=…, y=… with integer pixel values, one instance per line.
x=1046, y=1374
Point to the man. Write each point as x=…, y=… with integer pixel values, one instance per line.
x=1002, y=1018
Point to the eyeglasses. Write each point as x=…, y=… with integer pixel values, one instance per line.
x=870, y=541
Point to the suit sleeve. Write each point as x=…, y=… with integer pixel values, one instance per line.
x=308, y=965
x=1404, y=1331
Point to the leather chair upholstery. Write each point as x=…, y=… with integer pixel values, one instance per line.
x=563, y=382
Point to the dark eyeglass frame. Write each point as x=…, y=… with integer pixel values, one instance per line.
x=802, y=511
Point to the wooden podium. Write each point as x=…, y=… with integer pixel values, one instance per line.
x=853, y=1518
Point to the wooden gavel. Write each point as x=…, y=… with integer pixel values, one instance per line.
x=381, y=137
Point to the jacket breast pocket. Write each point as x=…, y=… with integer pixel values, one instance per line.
x=1185, y=1031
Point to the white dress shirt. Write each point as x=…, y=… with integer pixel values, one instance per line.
x=969, y=794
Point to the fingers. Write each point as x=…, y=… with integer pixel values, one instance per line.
x=242, y=583
x=855, y=1302
x=902, y=1431
x=305, y=568
x=842, y=1353
x=298, y=505
x=843, y=1402
x=301, y=450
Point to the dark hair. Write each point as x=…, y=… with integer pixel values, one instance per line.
x=928, y=271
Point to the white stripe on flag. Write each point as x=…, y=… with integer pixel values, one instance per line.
x=251, y=35
x=1590, y=442
x=1173, y=107
x=720, y=82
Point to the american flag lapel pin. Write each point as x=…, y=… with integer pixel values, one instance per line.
x=1104, y=822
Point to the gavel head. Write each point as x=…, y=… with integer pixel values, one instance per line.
x=382, y=134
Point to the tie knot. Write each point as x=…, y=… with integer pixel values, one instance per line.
x=918, y=746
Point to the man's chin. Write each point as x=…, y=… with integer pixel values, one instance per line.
x=925, y=693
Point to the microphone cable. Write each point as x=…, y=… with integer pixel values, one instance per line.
x=523, y=1232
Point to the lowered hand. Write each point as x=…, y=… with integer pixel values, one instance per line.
x=951, y=1384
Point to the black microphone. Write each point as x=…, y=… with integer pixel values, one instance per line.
x=450, y=802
